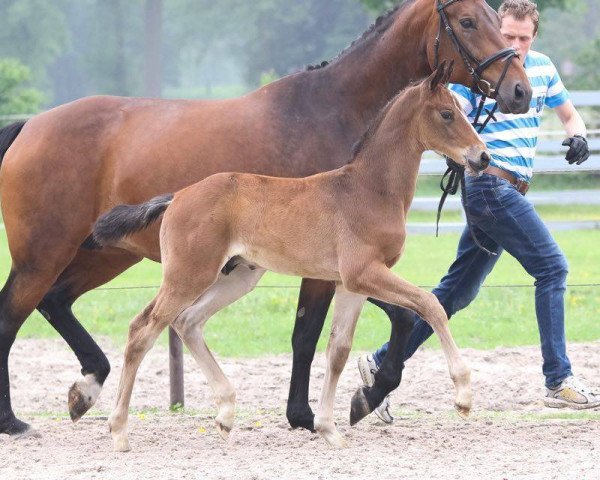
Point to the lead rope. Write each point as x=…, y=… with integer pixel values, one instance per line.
x=456, y=178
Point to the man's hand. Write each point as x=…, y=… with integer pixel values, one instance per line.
x=578, y=149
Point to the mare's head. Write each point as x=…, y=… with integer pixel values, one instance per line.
x=441, y=125
x=479, y=51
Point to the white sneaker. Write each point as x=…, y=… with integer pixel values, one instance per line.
x=571, y=393
x=368, y=368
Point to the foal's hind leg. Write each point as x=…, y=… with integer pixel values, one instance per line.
x=190, y=326
x=346, y=311
x=389, y=375
x=88, y=270
x=313, y=303
x=143, y=332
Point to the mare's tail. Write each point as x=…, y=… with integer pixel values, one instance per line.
x=7, y=137
x=123, y=220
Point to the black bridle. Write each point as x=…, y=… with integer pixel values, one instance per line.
x=456, y=173
x=473, y=66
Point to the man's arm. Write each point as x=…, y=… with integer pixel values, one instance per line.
x=575, y=127
x=571, y=119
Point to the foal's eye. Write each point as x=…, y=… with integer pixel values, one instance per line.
x=467, y=23
x=447, y=115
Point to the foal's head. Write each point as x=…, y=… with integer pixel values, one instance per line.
x=442, y=126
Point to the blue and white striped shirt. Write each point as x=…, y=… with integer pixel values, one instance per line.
x=512, y=139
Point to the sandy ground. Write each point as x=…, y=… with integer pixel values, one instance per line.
x=508, y=437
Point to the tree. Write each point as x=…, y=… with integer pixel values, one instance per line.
x=379, y=6
x=15, y=96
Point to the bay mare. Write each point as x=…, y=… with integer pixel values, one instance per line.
x=64, y=167
x=346, y=226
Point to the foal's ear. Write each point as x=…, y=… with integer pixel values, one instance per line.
x=436, y=77
x=448, y=74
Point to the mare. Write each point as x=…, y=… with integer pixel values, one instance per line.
x=345, y=226
x=66, y=166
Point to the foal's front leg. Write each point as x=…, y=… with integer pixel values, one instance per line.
x=346, y=312
x=376, y=280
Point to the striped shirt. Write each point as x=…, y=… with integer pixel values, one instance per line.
x=512, y=139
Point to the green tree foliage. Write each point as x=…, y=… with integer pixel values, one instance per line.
x=588, y=62
x=15, y=96
x=35, y=32
x=382, y=5
x=283, y=36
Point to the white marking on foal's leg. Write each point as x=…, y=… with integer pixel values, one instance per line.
x=83, y=395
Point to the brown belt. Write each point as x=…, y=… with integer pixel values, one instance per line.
x=521, y=185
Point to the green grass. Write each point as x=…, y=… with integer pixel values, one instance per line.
x=262, y=322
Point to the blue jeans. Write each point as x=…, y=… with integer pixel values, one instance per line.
x=503, y=219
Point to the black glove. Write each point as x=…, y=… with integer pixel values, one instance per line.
x=578, y=149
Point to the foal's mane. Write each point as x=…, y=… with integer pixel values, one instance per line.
x=381, y=24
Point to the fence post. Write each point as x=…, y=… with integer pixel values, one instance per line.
x=176, y=368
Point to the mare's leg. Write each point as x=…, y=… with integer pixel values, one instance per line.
x=23, y=290
x=313, y=303
x=388, y=377
x=190, y=326
x=378, y=281
x=346, y=311
x=88, y=270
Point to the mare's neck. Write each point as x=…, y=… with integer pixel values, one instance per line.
x=370, y=73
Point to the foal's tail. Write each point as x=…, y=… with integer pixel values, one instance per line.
x=123, y=220
x=7, y=137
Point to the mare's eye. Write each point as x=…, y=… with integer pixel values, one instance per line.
x=447, y=115
x=467, y=23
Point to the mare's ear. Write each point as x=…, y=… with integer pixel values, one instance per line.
x=435, y=78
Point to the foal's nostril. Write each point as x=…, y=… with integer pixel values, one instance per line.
x=485, y=159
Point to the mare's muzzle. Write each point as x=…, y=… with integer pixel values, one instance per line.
x=480, y=163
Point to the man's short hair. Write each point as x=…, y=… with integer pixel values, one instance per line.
x=520, y=9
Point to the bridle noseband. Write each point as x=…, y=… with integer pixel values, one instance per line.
x=479, y=84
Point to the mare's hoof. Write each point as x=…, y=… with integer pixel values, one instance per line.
x=17, y=429
x=223, y=430
x=359, y=406
x=79, y=402
x=121, y=444
x=302, y=419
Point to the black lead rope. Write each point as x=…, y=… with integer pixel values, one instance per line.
x=456, y=177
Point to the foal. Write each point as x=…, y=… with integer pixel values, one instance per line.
x=346, y=226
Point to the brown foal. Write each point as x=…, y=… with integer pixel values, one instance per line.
x=346, y=226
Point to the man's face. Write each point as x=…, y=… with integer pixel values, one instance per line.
x=519, y=34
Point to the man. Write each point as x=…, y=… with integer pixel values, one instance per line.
x=503, y=220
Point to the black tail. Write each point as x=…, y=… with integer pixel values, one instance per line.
x=7, y=137
x=123, y=220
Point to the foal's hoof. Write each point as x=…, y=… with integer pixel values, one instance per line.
x=79, y=401
x=121, y=444
x=223, y=430
x=462, y=410
x=359, y=406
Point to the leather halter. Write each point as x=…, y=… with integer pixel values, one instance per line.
x=473, y=66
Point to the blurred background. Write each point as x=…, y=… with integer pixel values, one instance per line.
x=52, y=52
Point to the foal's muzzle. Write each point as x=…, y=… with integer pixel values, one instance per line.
x=479, y=164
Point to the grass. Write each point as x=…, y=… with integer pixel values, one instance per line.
x=261, y=323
